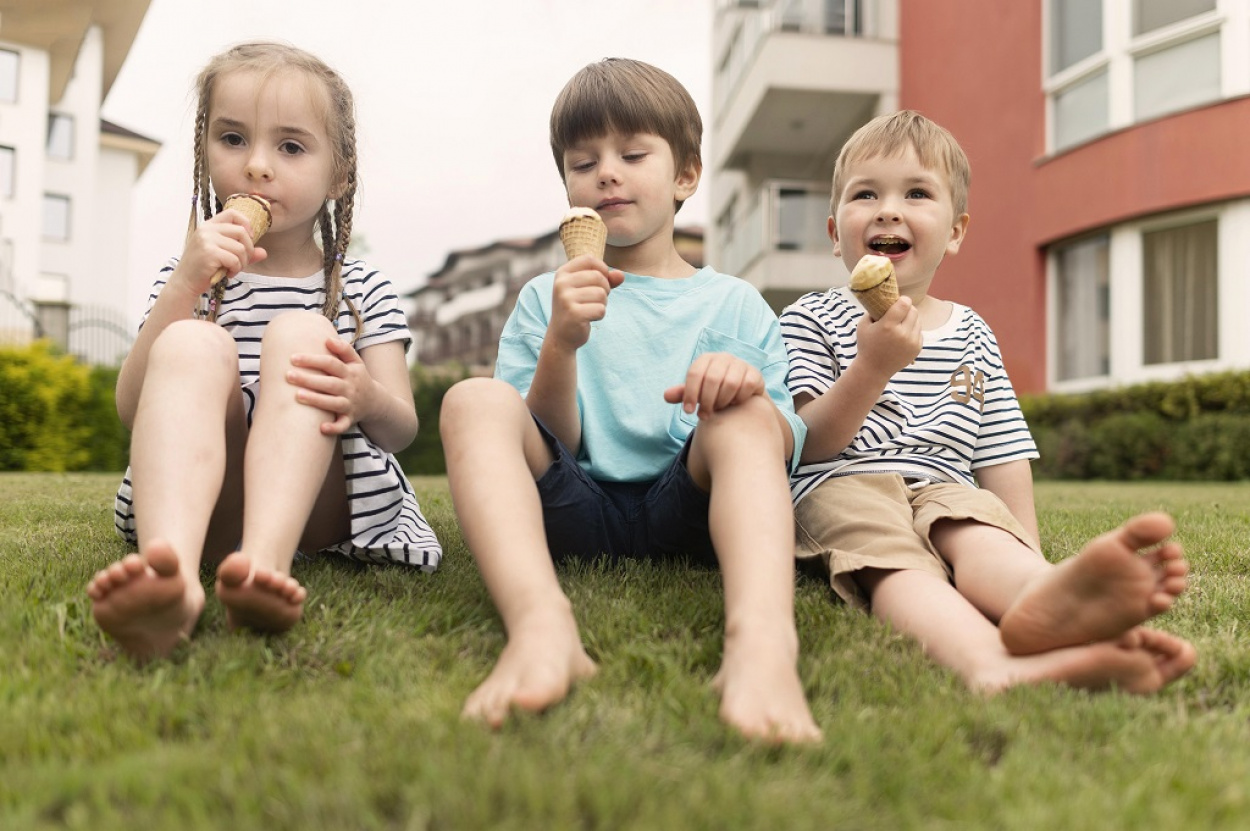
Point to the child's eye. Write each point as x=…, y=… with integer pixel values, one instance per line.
x=232, y=139
x=634, y=157
x=290, y=148
x=918, y=193
x=582, y=167
x=864, y=194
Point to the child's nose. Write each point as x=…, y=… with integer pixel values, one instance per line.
x=258, y=166
x=888, y=211
x=608, y=173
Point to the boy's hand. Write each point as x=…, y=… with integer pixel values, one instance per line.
x=716, y=381
x=225, y=241
x=579, y=296
x=891, y=343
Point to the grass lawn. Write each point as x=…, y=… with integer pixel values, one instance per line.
x=351, y=720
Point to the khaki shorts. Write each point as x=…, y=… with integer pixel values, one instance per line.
x=875, y=520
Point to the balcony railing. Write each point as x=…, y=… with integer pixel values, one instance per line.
x=782, y=216
x=839, y=18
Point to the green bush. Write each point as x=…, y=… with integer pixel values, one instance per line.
x=424, y=457
x=43, y=397
x=1194, y=428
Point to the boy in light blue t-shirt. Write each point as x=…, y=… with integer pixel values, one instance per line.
x=653, y=419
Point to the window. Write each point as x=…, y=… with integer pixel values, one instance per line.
x=1083, y=307
x=9, y=62
x=8, y=168
x=1112, y=63
x=55, y=217
x=60, y=136
x=1180, y=284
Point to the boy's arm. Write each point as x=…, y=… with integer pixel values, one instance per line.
x=1012, y=482
x=579, y=295
x=884, y=347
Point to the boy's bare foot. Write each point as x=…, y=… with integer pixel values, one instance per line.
x=145, y=603
x=1143, y=661
x=1116, y=582
x=257, y=597
x=761, y=695
x=541, y=661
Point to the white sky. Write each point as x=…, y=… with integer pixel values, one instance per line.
x=452, y=105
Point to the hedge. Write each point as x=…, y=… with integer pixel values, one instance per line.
x=1194, y=428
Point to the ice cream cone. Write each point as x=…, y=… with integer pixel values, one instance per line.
x=874, y=284
x=256, y=210
x=583, y=232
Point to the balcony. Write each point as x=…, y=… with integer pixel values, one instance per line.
x=779, y=243
x=798, y=76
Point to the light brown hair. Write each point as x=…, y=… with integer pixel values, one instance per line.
x=625, y=97
x=340, y=122
x=888, y=135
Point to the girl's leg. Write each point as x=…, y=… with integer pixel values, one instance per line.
x=188, y=435
x=738, y=455
x=285, y=474
x=956, y=635
x=495, y=454
x=1118, y=581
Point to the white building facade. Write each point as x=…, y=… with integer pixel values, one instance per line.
x=66, y=177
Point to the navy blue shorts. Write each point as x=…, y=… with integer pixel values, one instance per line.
x=587, y=519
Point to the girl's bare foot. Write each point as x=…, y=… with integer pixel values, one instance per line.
x=1143, y=661
x=541, y=661
x=1116, y=582
x=145, y=603
x=761, y=695
x=257, y=597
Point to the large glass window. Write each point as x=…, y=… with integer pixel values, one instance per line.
x=1083, y=309
x=1149, y=15
x=1172, y=79
x=60, y=136
x=9, y=62
x=1081, y=111
x=55, y=217
x=8, y=171
x=1180, y=285
x=1075, y=32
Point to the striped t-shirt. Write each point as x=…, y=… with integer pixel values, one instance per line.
x=386, y=521
x=950, y=412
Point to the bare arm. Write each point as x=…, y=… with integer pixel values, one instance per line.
x=579, y=295
x=885, y=347
x=225, y=241
x=1012, y=482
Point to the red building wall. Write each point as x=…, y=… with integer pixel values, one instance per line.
x=975, y=66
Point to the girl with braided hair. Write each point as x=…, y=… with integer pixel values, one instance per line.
x=265, y=409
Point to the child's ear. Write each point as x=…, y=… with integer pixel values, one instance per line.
x=688, y=181
x=831, y=228
x=958, y=231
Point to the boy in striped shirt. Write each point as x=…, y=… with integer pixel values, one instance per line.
x=914, y=489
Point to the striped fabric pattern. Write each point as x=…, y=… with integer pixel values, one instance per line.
x=950, y=412
x=386, y=521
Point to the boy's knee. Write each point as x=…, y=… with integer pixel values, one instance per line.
x=477, y=395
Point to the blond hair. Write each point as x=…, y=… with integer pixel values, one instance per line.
x=340, y=121
x=888, y=135
x=625, y=97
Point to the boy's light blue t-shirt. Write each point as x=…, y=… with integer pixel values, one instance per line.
x=651, y=334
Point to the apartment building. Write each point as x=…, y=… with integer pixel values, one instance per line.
x=460, y=311
x=1110, y=233
x=66, y=175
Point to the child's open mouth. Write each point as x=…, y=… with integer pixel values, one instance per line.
x=889, y=244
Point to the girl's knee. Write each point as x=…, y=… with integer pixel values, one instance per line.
x=187, y=344
x=297, y=331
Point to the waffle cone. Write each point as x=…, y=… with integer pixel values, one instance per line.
x=874, y=284
x=256, y=210
x=583, y=232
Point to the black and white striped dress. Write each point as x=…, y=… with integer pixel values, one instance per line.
x=386, y=521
